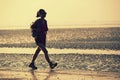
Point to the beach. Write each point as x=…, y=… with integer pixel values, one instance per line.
x=82, y=36
x=70, y=67
x=93, y=62
x=86, y=54
x=58, y=75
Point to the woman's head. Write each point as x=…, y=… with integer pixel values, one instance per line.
x=41, y=13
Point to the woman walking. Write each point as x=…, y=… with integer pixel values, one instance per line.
x=39, y=31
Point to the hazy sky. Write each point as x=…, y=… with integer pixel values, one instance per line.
x=59, y=12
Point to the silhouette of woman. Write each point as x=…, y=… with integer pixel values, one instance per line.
x=39, y=30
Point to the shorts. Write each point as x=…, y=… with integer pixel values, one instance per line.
x=41, y=40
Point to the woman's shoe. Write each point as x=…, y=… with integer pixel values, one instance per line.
x=53, y=65
x=32, y=65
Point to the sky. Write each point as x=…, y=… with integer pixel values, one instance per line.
x=21, y=13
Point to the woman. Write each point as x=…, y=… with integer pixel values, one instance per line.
x=39, y=31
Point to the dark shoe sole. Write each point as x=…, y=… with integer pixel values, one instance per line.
x=52, y=67
x=33, y=67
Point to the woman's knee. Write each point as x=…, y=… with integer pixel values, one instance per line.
x=41, y=45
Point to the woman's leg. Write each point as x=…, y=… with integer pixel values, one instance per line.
x=32, y=65
x=36, y=54
x=52, y=65
x=45, y=52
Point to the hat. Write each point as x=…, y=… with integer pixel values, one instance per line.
x=41, y=11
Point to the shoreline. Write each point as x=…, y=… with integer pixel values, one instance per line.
x=6, y=50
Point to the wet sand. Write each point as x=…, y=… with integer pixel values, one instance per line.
x=94, y=62
x=57, y=75
x=70, y=67
x=59, y=51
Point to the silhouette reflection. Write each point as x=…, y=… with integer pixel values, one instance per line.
x=50, y=73
x=32, y=71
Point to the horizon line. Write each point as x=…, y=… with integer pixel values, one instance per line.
x=65, y=26
x=57, y=28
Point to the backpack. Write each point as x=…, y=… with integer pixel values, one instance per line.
x=34, y=29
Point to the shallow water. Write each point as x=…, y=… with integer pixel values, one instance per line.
x=58, y=51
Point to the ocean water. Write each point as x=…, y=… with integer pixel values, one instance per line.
x=64, y=39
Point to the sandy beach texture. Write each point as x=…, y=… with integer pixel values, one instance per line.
x=98, y=59
x=57, y=75
x=70, y=67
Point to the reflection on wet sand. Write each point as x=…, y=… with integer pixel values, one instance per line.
x=57, y=75
x=34, y=75
x=50, y=73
